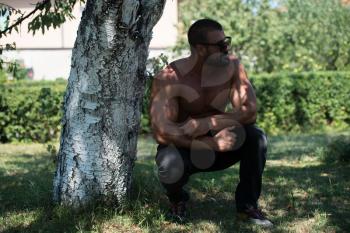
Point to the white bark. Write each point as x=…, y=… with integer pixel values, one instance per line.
x=103, y=100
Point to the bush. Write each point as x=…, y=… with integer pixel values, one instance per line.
x=31, y=111
x=287, y=102
x=303, y=102
x=3, y=76
x=338, y=150
x=14, y=70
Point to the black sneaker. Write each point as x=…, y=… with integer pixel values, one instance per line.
x=177, y=212
x=255, y=216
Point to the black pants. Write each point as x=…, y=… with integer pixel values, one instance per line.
x=176, y=165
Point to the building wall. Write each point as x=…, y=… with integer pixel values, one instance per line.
x=49, y=54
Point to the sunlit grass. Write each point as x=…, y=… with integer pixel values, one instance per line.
x=301, y=193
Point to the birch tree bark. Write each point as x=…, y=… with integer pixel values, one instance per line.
x=103, y=100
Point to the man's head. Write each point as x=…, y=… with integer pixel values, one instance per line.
x=206, y=37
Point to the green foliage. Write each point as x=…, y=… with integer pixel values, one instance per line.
x=3, y=76
x=4, y=114
x=47, y=13
x=6, y=12
x=52, y=14
x=303, y=102
x=31, y=111
x=295, y=35
x=314, y=101
x=17, y=71
x=51, y=149
x=14, y=70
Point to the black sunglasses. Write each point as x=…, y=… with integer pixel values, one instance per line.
x=222, y=44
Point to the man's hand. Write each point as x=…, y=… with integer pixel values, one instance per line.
x=195, y=127
x=225, y=139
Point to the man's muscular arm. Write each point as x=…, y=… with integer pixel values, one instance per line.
x=243, y=100
x=164, y=110
x=243, y=97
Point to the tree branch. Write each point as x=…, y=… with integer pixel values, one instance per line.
x=39, y=6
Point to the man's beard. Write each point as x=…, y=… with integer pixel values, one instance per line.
x=218, y=59
x=216, y=70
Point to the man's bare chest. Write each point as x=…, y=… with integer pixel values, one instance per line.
x=196, y=99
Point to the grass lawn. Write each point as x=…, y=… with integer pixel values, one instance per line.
x=301, y=193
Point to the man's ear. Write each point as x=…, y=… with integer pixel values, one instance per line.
x=201, y=50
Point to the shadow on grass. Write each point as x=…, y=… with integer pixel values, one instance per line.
x=27, y=187
x=292, y=194
x=207, y=203
x=26, y=199
x=294, y=147
x=303, y=192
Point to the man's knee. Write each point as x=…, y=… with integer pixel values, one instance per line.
x=257, y=139
x=170, y=165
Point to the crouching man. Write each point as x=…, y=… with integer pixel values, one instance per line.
x=195, y=133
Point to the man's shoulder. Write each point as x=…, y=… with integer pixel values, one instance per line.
x=166, y=74
x=173, y=72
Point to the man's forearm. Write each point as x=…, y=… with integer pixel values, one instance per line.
x=224, y=120
x=171, y=134
x=246, y=115
x=178, y=141
x=203, y=142
x=221, y=121
x=176, y=133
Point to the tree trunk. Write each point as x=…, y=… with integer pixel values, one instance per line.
x=103, y=101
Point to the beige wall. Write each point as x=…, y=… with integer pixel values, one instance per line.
x=49, y=55
x=62, y=37
x=164, y=32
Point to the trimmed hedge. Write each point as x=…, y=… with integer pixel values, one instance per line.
x=31, y=110
x=304, y=102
